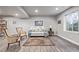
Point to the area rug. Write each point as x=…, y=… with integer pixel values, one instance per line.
x=39, y=42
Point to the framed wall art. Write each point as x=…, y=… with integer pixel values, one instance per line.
x=38, y=23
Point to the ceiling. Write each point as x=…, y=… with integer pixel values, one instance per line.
x=13, y=11
x=44, y=10
x=27, y=11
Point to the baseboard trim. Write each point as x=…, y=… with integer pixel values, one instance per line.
x=69, y=40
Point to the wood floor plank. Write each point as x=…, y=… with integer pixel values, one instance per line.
x=25, y=49
x=38, y=49
x=43, y=48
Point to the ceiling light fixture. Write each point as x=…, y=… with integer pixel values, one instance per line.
x=57, y=8
x=16, y=14
x=36, y=11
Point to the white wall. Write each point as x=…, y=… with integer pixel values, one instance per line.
x=73, y=37
x=28, y=23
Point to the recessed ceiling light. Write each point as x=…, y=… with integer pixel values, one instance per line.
x=57, y=8
x=16, y=14
x=36, y=11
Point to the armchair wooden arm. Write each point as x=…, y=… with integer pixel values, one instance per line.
x=20, y=32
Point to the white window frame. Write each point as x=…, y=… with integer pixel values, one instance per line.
x=65, y=28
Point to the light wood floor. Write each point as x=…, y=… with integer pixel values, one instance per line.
x=61, y=45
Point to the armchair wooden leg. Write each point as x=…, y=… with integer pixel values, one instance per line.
x=8, y=46
x=20, y=37
x=19, y=43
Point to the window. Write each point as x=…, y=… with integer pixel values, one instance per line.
x=72, y=21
